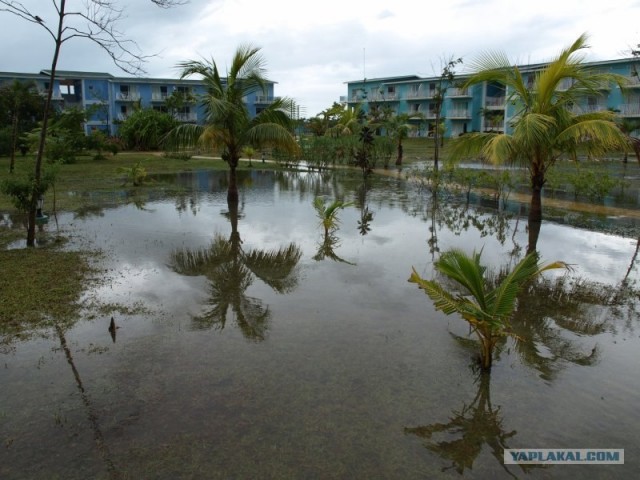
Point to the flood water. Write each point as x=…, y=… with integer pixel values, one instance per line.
x=249, y=346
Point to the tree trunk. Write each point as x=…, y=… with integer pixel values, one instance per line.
x=232, y=192
x=400, y=154
x=35, y=194
x=535, y=211
x=486, y=357
x=14, y=140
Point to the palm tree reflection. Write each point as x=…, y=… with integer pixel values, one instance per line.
x=467, y=431
x=231, y=270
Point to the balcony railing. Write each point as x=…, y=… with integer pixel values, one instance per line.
x=122, y=116
x=495, y=102
x=582, y=109
x=458, y=92
x=265, y=99
x=630, y=110
x=412, y=95
x=186, y=117
x=159, y=97
x=458, y=113
x=54, y=96
x=633, y=81
x=128, y=97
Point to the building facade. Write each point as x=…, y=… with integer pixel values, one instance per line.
x=482, y=107
x=108, y=100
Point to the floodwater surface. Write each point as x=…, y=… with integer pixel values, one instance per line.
x=250, y=345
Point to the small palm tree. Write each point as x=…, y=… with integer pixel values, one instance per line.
x=486, y=308
x=328, y=214
x=249, y=152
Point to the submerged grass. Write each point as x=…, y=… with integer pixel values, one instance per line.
x=38, y=285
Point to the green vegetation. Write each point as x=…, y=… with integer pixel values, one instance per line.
x=39, y=285
x=328, y=214
x=546, y=126
x=484, y=302
x=145, y=129
x=228, y=124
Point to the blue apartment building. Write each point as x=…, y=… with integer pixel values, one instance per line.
x=483, y=107
x=108, y=100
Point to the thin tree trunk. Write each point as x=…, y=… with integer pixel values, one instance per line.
x=14, y=139
x=35, y=194
x=535, y=211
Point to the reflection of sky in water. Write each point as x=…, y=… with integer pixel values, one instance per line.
x=354, y=354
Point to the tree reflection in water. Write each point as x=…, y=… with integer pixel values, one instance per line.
x=467, y=431
x=231, y=270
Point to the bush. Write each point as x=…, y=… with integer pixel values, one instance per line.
x=145, y=129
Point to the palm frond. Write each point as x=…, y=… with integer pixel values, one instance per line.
x=464, y=270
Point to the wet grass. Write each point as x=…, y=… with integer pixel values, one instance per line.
x=39, y=285
x=106, y=175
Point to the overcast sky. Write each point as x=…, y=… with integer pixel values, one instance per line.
x=313, y=48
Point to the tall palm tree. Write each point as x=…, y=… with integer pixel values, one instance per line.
x=228, y=124
x=546, y=125
x=485, y=307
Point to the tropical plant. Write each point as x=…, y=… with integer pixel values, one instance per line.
x=135, y=174
x=145, y=129
x=98, y=23
x=228, y=124
x=398, y=128
x=249, y=152
x=487, y=308
x=627, y=127
x=328, y=214
x=20, y=104
x=444, y=82
x=546, y=125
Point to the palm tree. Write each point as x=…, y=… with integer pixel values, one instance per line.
x=398, y=128
x=228, y=124
x=328, y=214
x=487, y=309
x=546, y=125
x=627, y=127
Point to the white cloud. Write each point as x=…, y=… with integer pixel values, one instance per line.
x=312, y=48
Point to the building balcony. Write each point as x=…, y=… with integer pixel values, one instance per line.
x=421, y=95
x=186, y=117
x=159, y=97
x=127, y=97
x=582, y=109
x=495, y=102
x=633, y=82
x=122, y=116
x=458, y=92
x=54, y=96
x=630, y=110
x=458, y=114
x=265, y=99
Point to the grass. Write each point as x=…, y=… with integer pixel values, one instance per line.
x=39, y=285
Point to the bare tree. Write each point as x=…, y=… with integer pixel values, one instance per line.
x=94, y=20
x=443, y=83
